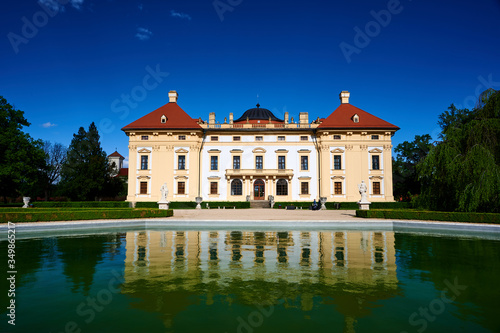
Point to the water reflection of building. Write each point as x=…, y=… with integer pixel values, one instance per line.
x=341, y=267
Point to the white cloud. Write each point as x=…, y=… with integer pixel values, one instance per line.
x=76, y=3
x=180, y=15
x=55, y=5
x=48, y=125
x=143, y=34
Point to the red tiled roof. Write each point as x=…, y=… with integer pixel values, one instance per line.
x=177, y=118
x=123, y=172
x=116, y=154
x=342, y=118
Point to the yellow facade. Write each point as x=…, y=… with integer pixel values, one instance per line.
x=256, y=159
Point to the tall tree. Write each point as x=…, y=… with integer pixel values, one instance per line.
x=55, y=156
x=86, y=171
x=21, y=157
x=463, y=171
x=408, y=156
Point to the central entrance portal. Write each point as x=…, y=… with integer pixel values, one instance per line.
x=258, y=190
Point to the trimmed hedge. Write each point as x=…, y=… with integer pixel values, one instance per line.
x=82, y=204
x=430, y=215
x=192, y=204
x=35, y=215
x=11, y=204
x=347, y=205
x=172, y=205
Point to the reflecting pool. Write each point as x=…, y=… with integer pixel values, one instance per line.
x=254, y=281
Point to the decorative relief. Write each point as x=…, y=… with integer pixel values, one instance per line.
x=387, y=147
x=132, y=147
x=349, y=147
x=363, y=147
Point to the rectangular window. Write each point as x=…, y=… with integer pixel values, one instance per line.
x=236, y=162
x=236, y=138
x=375, y=162
x=214, y=163
x=213, y=188
x=374, y=137
x=376, y=187
x=337, y=162
x=304, y=138
x=144, y=188
x=181, y=165
x=338, y=187
x=181, y=187
x=337, y=137
x=182, y=137
x=258, y=162
x=281, y=138
x=144, y=162
x=281, y=162
x=145, y=137
x=214, y=138
x=259, y=138
x=304, y=188
x=304, y=163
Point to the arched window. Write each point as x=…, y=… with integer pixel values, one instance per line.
x=236, y=187
x=281, y=187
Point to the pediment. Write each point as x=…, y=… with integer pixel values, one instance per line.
x=144, y=151
x=259, y=150
x=337, y=150
x=182, y=151
x=375, y=151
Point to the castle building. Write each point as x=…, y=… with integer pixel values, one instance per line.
x=259, y=155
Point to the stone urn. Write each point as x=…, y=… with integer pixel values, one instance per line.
x=26, y=201
x=198, y=202
x=322, y=200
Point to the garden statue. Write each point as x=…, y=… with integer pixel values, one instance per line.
x=163, y=203
x=363, y=204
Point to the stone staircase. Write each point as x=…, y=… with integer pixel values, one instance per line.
x=259, y=204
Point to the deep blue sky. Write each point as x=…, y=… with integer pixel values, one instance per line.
x=81, y=60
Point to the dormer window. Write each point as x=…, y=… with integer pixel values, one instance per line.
x=355, y=118
x=163, y=119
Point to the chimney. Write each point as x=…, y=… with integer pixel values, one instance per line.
x=172, y=96
x=231, y=118
x=286, y=117
x=344, y=97
x=211, y=118
x=303, y=117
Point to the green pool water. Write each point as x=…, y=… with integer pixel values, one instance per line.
x=249, y=281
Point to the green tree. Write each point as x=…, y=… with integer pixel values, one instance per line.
x=408, y=156
x=21, y=157
x=462, y=172
x=86, y=173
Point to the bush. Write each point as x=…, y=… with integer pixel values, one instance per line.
x=35, y=215
x=227, y=204
x=82, y=204
x=347, y=205
x=192, y=204
x=430, y=215
x=11, y=204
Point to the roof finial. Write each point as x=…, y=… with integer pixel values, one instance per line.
x=258, y=105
